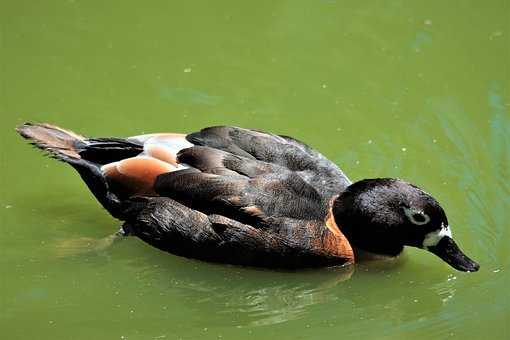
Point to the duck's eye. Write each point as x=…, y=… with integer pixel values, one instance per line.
x=417, y=217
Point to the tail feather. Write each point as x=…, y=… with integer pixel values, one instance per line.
x=66, y=146
x=59, y=143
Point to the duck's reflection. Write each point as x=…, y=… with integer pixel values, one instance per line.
x=245, y=297
x=253, y=296
x=279, y=302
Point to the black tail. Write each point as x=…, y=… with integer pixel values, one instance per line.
x=85, y=155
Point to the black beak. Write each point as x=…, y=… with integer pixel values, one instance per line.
x=448, y=250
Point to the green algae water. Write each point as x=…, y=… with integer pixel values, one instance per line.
x=413, y=89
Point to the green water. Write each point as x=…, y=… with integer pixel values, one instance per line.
x=417, y=90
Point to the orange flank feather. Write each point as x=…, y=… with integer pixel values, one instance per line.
x=137, y=174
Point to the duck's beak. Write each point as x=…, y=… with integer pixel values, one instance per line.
x=448, y=250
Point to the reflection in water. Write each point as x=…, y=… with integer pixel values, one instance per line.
x=251, y=297
x=261, y=296
x=276, y=303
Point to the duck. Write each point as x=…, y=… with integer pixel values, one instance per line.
x=248, y=197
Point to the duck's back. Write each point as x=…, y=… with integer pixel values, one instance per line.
x=287, y=152
x=255, y=153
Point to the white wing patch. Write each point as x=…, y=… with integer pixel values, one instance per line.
x=137, y=175
x=164, y=146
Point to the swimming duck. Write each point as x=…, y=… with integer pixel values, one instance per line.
x=241, y=196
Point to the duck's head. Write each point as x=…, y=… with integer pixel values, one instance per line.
x=383, y=215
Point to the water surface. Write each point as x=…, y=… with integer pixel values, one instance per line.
x=416, y=90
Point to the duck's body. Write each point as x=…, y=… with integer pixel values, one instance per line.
x=232, y=195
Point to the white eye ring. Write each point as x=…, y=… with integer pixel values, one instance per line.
x=411, y=213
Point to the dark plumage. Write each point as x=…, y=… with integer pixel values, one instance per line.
x=240, y=196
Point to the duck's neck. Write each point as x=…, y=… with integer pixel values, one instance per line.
x=362, y=233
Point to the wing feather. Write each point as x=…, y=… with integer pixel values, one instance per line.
x=281, y=151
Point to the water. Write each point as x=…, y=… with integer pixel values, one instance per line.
x=419, y=91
